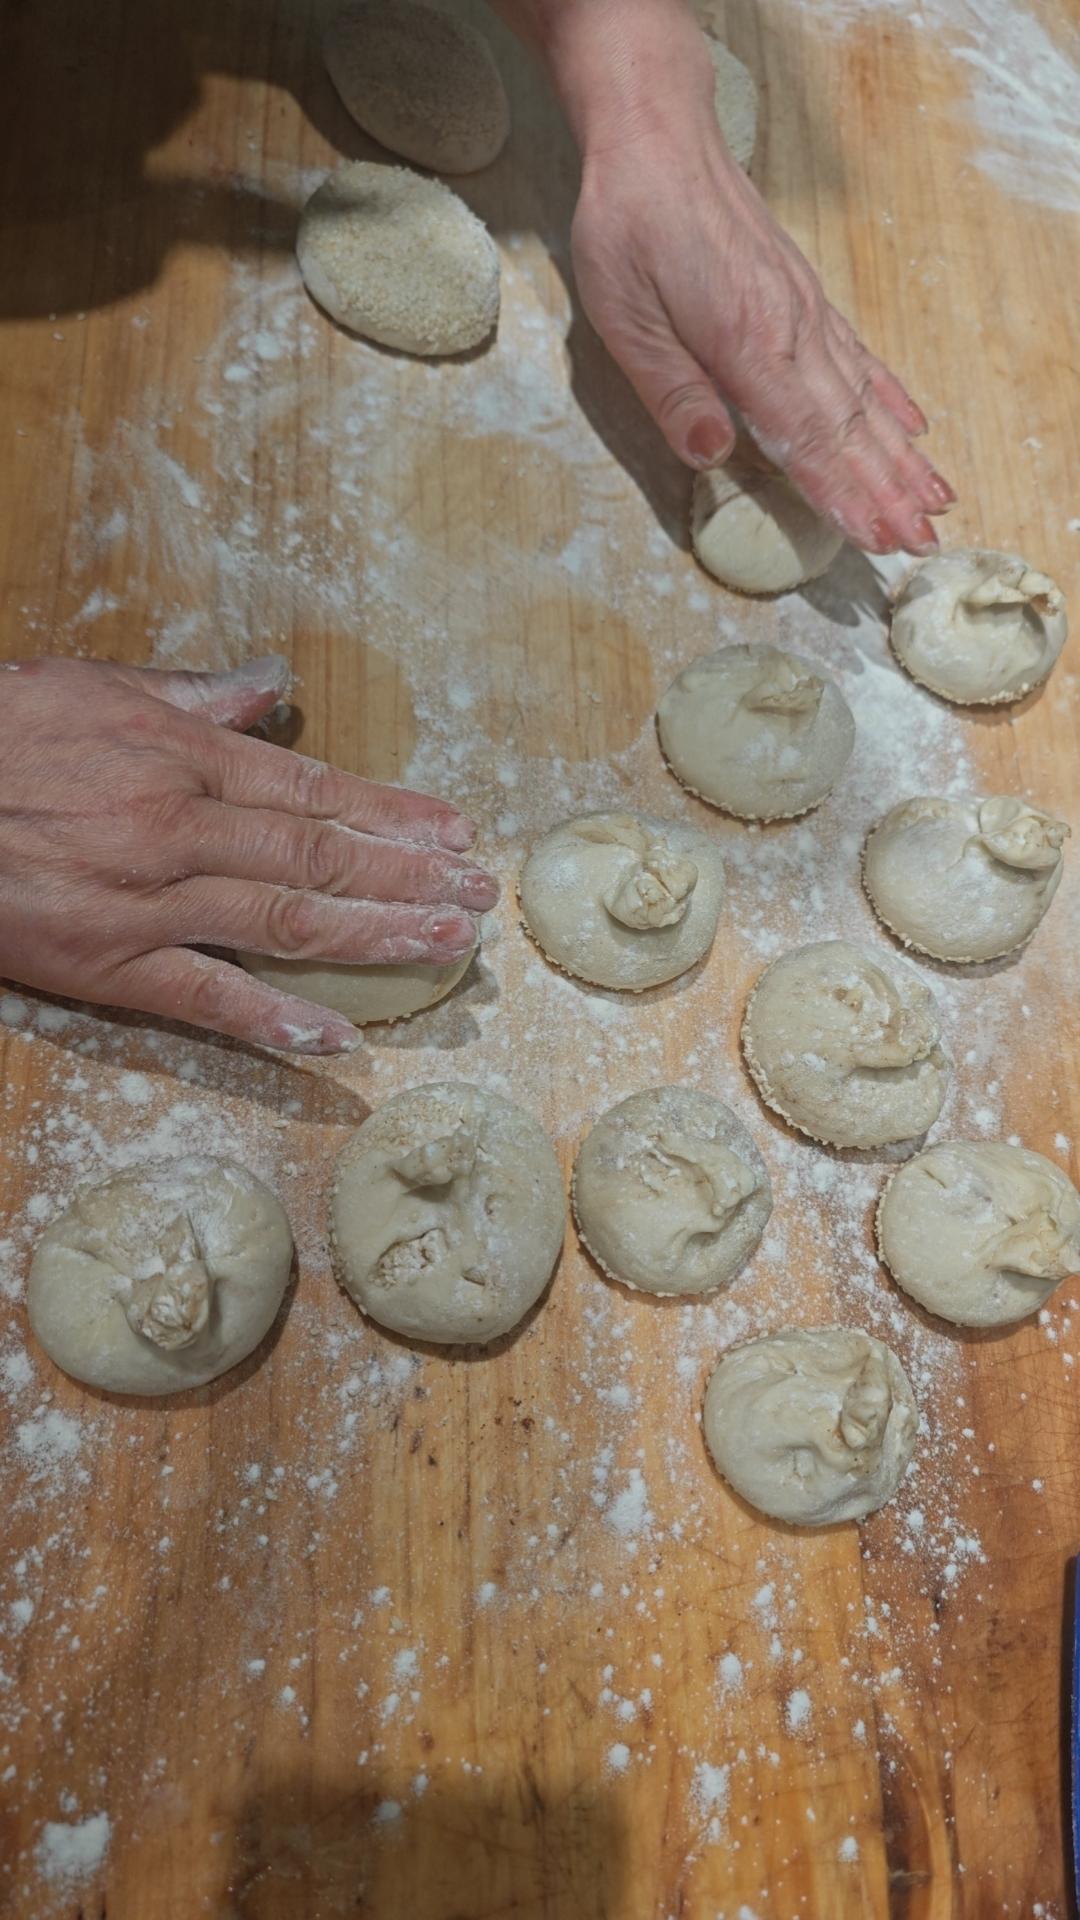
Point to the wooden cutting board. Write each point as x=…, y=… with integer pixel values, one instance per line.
x=370, y=1631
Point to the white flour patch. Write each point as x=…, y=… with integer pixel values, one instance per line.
x=1024, y=88
x=68, y=1851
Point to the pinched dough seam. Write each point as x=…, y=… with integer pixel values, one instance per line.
x=954, y=700
x=604, y=986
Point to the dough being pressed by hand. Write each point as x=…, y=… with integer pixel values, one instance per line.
x=812, y=1425
x=754, y=531
x=363, y=994
x=758, y=732
x=422, y=82
x=736, y=101
x=400, y=259
x=978, y=1231
x=621, y=899
x=965, y=879
x=162, y=1277
x=670, y=1192
x=448, y=1214
x=846, y=1045
x=978, y=626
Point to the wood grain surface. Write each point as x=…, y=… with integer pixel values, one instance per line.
x=367, y=1631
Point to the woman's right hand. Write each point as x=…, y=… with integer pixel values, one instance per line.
x=137, y=822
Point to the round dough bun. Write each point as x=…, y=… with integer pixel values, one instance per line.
x=421, y=82
x=978, y=626
x=965, y=879
x=621, y=899
x=161, y=1277
x=845, y=1045
x=670, y=1193
x=736, y=101
x=979, y=1232
x=758, y=732
x=399, y=259
x=812, y=1425
x=448, y=1214
x=363, y=994
x=754, y=531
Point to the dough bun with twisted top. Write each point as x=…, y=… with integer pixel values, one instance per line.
x=846, y=1045
x=162, y=1277
x=979, y=627
x=979, y=1231
x=448, y=1214
x=670, y=1192
x=812, y=1426
x=756, y=731
x=621, y=899
x=966, y=879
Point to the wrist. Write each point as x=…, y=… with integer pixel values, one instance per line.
x=622, y=68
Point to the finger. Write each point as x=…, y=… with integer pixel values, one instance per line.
x=176, y=984
x=889, y=390
x=238, y=698
x=284, y=849
x=680, y=396
x=864, y=374
x=293, y=925
x=253, y=773
x=837, y=461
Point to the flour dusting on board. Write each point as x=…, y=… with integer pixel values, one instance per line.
x=597, y=1515
x=1023, y=81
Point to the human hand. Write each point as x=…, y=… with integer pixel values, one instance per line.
x=698, y=293
x=134, y=824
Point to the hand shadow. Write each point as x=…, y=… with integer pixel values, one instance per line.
x=92, y=217
x=370, y=1844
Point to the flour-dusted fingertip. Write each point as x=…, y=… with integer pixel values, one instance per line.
x=456, y=833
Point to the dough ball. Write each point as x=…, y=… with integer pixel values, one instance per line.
x=978, y=627
x=979, y=1232
x=448, y=1214
x=670, y=1192
x=621, y=899
x=363, y=994
x=736, y=99
x=846, y=1045
x=162, y=1277
x=423, y=83
x=399, y=259
x=753, y=529
x=964, y=879
x=812, y=1425
x=758, y=732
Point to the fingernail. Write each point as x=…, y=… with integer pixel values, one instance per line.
x=920, y=423
x=338, y=1037
x=269, y=670
x=925, y=540
x=940, y=490
x=478, y=890
x=453, y=932
x=456, y=832
x=708, y=443
x=883, y=536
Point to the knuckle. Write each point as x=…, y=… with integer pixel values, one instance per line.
x=678, y=401
x=205, y=992
x=291, y=922
x=313, y=787
x=851, y=426
x=321, y=862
